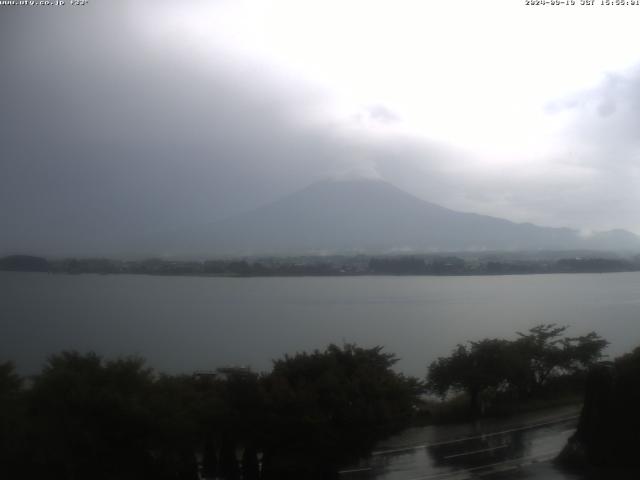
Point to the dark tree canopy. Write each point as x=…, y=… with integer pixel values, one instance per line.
x=608, y=432
x=87, y=417
x=471, y=369
x=523, y=366
x=334, y=399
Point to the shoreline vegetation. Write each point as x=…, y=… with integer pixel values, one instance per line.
x=84, y=416
x=339, y=265
x=607, y=436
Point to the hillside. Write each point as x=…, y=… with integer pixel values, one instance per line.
x=370, y=216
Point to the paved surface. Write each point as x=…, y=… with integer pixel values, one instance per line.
x=520, y=447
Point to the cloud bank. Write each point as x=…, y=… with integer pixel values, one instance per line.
x=115, y=123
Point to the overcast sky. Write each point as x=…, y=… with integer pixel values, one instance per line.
x=122, y=118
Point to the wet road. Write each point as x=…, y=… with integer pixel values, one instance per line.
x=521, y=447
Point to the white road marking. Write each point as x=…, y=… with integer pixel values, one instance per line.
x=499, y=447
x=354, y=470
x=515, y=463
x=465, y=439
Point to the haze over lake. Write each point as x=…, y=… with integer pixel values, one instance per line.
x=181, y=324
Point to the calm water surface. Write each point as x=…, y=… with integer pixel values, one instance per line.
x=184, y=323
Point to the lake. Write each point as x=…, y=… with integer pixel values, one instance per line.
x=181, y=324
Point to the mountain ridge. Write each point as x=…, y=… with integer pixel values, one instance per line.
x=372, y=216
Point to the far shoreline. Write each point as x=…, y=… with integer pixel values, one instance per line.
x=425, y=265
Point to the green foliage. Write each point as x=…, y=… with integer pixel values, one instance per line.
x=12, y=437
x=89, y=417
x=348, y=385
x=86, y=417
x=335, y=399
x=471, y=369
x=543, y=353
x=10, y=382
x=522, y=367
x=608, y=432
x=475, y=367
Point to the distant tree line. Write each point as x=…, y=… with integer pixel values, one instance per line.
x=85, y=417
x=339, y=265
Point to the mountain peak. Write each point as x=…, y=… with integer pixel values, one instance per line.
x=358, y=174
x=352, y=212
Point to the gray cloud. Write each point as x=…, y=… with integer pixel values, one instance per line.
x=106, y=136
x=592, y=181
x=382, y=114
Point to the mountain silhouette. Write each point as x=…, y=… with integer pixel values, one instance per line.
x=371, y=216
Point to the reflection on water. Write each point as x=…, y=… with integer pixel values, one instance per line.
x=487, y=448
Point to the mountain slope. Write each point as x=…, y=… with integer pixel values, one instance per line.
x=373, y=217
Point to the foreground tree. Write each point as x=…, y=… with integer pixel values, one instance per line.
x=327, y=406
x=91, y=418
x=522, y=367
x=471, y=369
x=543, y=354
x=12, y=439
x=85, y=417
x=608, y=433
